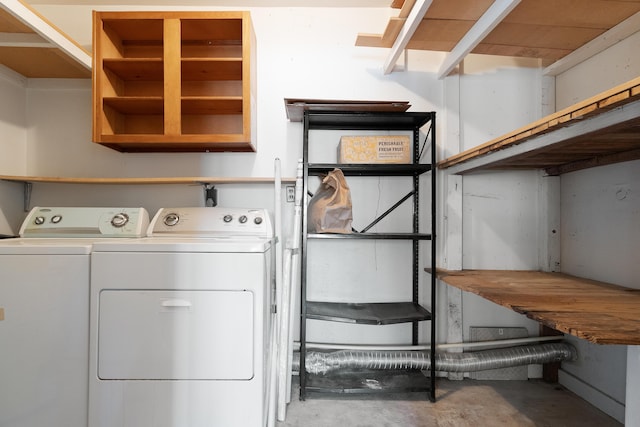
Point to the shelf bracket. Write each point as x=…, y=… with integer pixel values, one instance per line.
x=210, y=195
x=27, y=188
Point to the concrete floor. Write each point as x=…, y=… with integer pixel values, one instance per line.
x=459, y=403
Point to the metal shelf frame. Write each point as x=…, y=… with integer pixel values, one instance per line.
x=380, y=313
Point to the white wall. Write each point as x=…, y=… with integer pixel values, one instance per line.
x=499, y=210
x=13, y=147
x=13, y=117
x=610, y=68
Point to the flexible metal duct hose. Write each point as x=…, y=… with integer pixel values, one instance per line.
x=323, y=362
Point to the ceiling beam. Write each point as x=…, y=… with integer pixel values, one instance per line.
x=411, y=24
x=483, y=26
x=28, y=16
x=621, y=31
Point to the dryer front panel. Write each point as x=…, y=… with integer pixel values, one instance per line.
x=175, y=335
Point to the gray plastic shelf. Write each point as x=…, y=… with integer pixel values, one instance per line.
x=370, y=382
x=382, y=313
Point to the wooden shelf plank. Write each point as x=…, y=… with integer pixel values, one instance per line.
x=145, y=181
x=147, y=69
x=599, y=130
x=598, y=312
x=211, y=105
x=208, y=69
x=135, y=104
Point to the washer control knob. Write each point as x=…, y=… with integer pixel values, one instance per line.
x=171, y=219
x=227, y=218
x=258, y=220
x=56, y=219
x=120, y=220
x=242, y=219
x=39, y=220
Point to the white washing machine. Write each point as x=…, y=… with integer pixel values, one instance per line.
x=180, y=322
x=44, y=312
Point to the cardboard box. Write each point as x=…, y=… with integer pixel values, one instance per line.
x=374, y=149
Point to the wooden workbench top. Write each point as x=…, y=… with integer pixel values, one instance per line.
x=599, y=312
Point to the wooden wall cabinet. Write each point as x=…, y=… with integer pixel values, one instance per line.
x=174, y=81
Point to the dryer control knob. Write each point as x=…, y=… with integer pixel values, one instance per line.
x=227, y=218
x=39, y=220
x=120, y=220
x=242, y=219
x=56, y=219
x=258, y=220
x=171, y=219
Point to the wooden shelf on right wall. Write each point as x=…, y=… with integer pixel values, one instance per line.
x=601, y=130
x=598, y=312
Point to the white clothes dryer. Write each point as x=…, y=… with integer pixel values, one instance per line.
x=44, y=312
x=180, y=322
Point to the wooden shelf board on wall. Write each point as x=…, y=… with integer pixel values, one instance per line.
x=598, y=312
x=145, y=181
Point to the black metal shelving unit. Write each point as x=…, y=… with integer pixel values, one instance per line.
x=381, y=313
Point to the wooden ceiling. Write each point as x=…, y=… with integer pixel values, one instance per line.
x=545, y=29
x=38, y=50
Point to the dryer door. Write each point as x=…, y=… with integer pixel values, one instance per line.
x=175, y=335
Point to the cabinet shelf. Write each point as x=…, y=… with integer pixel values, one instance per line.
x=131, y=69
x=212, y=69
x=385, y=313
x=371, y=236
x=370, y=169
x=212, y=105
x=190, y=105
x=136, y=104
